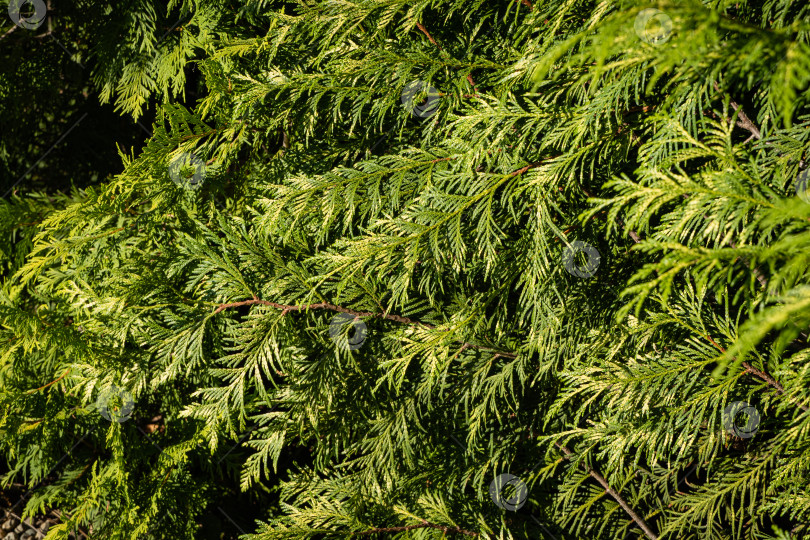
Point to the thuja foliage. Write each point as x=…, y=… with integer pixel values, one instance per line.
x=53, y=72
x=426, y=170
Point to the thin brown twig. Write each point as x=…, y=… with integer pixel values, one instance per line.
x=421, y=27
x=166, y=477
x=59, y=514
x=8, y=32
x=773, y=383
x=742, y=119
x=423, y=525
x=424, y=30
x=522, y=170
x=610, y=491
x=52, y=382
x=396, y=318
x=26, y=521
x=762, y=375
x=332, y=307
x=198, y=136
x=319, y=305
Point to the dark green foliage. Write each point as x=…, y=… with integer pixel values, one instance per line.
x=672, y=150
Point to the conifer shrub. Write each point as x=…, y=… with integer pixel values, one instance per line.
x=427, y=269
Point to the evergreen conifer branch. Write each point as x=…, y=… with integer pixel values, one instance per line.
x=424, y=525
x=762, y=375
x=563, y=250
x=325, y=305
x=610, y=491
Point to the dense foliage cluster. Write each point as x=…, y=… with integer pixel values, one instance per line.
x=417, y=269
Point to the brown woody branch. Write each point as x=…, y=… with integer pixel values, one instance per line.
x=199, y=136
x=773, y=383
x=388, y=316
x=762, y=375
x=610, y=491
x=423, y=525
x=9, y=31
x=742, y=119
x=527, y=167
x=422, y=28
x=52, y=382
x=332, y=307
x=321, y=305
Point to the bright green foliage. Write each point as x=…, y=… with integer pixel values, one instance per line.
x=676, y=159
